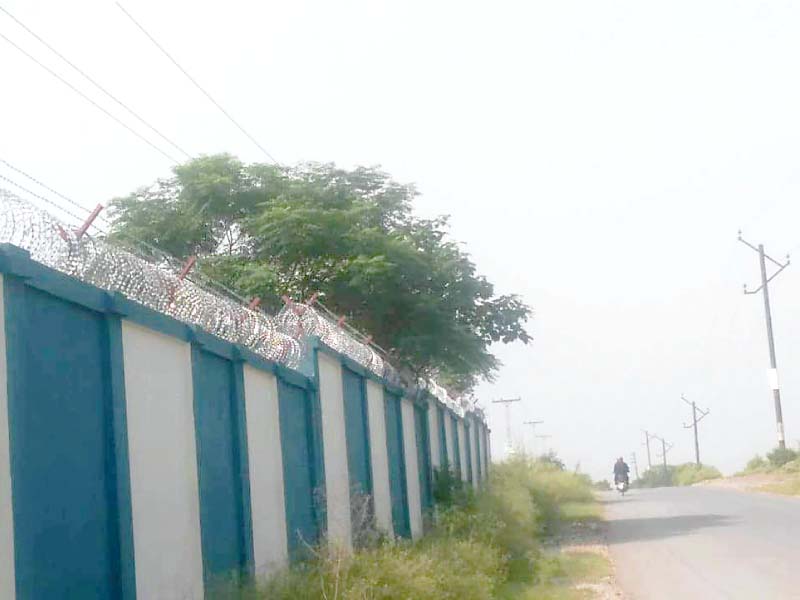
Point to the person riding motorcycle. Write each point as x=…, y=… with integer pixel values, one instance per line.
x=621, y=471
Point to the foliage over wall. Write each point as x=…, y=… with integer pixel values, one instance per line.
x=349, y=235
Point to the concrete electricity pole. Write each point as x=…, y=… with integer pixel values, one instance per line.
x=545, y=437
x=533, y=425
x=507, y=402
x=664, y=451
x=776, y=392
x=635, y=465
x=647, y=443
x=695, y=421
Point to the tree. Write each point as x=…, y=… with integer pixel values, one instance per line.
x=350, y=236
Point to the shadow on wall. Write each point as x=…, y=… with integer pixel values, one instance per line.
x=621, y=531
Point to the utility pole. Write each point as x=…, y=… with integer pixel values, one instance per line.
x=507, y=402
x=695, y=421
x=647, y=442
x=533, y=425
x=545, y=437
x=776, y=392
x=664, y=451
x=635, y=465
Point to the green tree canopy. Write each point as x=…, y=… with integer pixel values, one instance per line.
x=350, y=236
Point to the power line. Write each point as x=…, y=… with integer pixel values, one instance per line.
x=49, y=189
x=196, y=84
x=42, y=198
x=93, y=82
x=88, y=99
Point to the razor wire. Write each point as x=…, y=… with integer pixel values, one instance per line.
x=156, y=280
x=301, y=320
x=151, y=283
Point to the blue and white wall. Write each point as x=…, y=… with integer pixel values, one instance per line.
x=143, y=458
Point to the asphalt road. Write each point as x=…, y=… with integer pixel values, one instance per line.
x=704, y=543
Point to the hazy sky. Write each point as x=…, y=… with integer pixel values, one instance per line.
x=596, y=157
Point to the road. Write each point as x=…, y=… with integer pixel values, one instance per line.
x=704, y=543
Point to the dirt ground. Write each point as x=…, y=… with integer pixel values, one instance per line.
x=590, y=536
x=748, y=483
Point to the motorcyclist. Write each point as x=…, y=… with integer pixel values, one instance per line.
x=621, y=471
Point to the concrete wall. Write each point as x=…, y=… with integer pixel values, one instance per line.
x=485, y=451
x=334, y=442
x=473, y=448
x=163, y=464
x=381, y=495
x=266, y=475
x=462, y=446
x=448, y=436
x=7, y=582
x=433, y=433
x=412, y=469
x=159, y=406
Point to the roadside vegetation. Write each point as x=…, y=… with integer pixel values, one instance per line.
x=494, y=544
x=348, y=238
x=781, y=466
x=778, y=460
x=677, y=475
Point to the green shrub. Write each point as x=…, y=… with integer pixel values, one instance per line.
x=756, y=464
x=780, y=456
x=792, y=466
x=437, y=568
x=690, y=473
x=603, y=485
x=480, y=546
x=656, y=477
x=551, y=459
x=448, y=488
x=685, y=474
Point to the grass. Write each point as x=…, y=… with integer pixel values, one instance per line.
x=485, y=546
x=585, y=567
x=789, y=487
x=581, y=511
x=684, y=474
x=690, y=473
x=562, y=579
x=779, y=460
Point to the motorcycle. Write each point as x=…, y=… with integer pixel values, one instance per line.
x=622, y=486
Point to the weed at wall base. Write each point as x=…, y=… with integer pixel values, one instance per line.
x=481, y=545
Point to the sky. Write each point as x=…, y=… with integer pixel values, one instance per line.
x=597, y=158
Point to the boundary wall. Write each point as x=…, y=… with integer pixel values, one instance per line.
x=144, y=458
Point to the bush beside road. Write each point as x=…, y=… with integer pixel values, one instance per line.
x=506, y=542
x=677, y=475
